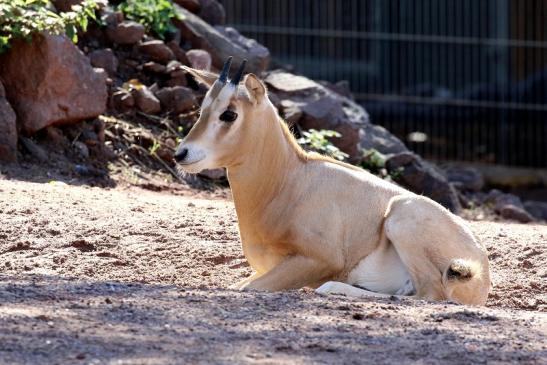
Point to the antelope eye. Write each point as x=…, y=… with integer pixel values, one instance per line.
x=228, y=116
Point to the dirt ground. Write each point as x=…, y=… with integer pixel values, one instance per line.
x=128, y=276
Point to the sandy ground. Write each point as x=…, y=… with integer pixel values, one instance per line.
x=129, y=276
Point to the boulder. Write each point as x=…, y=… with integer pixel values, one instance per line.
x=420, y=177
x=341, y=88
x=253, y=50
x=311, y=105
x=176, y=99
x=375, y=137
x=126, y=32
x=49, y=81
x=218, y=42
x=464, y=178
x=157, y=51
x=212, y=12
x=537, y=209
x=199, y=59
x=105, y=59
x=191, y=5
x=508, y=206
x=8, y=129
x=498, y=200
x=146, y=101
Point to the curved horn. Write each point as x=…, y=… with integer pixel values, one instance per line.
x=225, y=70
x=239, y=73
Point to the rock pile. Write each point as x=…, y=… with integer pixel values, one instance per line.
x=56, y=92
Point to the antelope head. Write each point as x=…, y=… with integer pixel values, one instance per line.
x=224, y=132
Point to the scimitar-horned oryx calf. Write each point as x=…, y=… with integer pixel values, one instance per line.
x=309, y=220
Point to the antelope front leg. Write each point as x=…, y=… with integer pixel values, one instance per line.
x=292, y=273
x=242, y=283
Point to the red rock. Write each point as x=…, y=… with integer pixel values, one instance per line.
x=146, y=101
x=199, y=59
x=154, y=67
x=127, y=32
x=49, y=81
x=157, y=51
x=176, y=99
x=105, y=59
x=8, y=129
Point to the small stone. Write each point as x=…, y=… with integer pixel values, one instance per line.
x=35, y=151
x=81, y=149
x=173, y=66
x=127, y=32
x=89, y=137
x=213, y=174
x=176, y=99
x=513, y=212
x=199, y=59
x=165, y=154
x=154, y=67
x=105, y=59
x=157, y=51
x=146, y=101
x=123, y=101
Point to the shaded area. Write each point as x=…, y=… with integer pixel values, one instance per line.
x=65, y=320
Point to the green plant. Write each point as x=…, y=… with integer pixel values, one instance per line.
x=155, y=15
x=318, y=141
x=374, y=161
x=155, y=147
x=21, y=19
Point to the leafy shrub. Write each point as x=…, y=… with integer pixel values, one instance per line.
x=155, y=15
x=318, y=141
x=374, y=161
x=21, y=19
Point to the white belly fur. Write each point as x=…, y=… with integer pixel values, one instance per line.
x=382, y=272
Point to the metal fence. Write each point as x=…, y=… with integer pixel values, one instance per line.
x=454, y=79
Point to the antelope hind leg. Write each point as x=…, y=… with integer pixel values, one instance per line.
x=336, y=287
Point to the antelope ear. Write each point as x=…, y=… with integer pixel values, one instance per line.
x=255, y=88
x=201, y=76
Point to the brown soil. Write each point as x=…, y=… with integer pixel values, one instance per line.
x=129, y=276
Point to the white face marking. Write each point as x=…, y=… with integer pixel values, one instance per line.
x=202, y=152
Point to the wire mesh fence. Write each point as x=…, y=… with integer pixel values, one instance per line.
x=455, y=80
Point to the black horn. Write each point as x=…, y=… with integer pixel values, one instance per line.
x=225, y=70
x=239, y=73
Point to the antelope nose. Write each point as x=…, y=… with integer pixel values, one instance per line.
x=181, y=154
